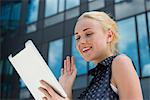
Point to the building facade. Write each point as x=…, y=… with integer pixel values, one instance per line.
x=50, y=24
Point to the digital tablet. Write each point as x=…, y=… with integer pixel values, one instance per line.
x=32, y=68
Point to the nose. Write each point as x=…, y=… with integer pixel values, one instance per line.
x=83, y=40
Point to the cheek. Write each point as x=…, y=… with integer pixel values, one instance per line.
x=77, y=47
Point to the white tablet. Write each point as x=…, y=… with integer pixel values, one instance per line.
x=32, y=68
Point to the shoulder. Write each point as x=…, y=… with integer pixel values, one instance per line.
x=123, y=71
x=125, y=77
x=122, y=65
x=121, y=59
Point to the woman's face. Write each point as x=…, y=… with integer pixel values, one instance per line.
x=91, y=41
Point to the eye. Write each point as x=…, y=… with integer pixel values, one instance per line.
x=89, y=34
x=77, y=37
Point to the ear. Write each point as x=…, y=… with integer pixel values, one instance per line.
x=110, y=35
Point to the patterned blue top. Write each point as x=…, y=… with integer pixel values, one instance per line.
x=99, y=87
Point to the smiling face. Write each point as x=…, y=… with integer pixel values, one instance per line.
x=92, y=41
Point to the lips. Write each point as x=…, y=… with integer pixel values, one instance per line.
x=86, y=49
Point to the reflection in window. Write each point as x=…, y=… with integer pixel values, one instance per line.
x=33, y=6
x=117, y=1
x=61, y=5
x=127, y=44
x=91, y=65
x=72, y=3
x=55, y=56
x=131, y=7
x=8, y=68
x=51, y=7
x=9, y=16
x=54, y=19
x=31, y=28
x=72, y=13
x=147, y=2
x=1, y=65
x=143, y=43
x=22, y=84
x=81, y=64
x=97, y=4
x=149, y=22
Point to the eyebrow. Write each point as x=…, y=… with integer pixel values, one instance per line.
x=83, y=30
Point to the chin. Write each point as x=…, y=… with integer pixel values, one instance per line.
x=87, y=59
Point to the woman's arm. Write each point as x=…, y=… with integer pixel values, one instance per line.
x=126, y=79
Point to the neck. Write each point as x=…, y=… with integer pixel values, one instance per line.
x=102, y=57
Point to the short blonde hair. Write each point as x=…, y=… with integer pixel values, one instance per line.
x=107, y=23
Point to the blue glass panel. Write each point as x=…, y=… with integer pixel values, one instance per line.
x=91, y=65
x=127, y=43
x=5, y=12
x=1, y=65
x=143, y=43
x=33, y=7
x=149, y=22
x=8, y=68
x=55, y=56
x=51, y=7
x=116, y=1
x=22, y=84
x=10, y=16
x=61, y=5
x=81, y=64
x=15, y=15
x=72, y=3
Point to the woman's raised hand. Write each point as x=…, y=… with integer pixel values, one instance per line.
x=68, y=75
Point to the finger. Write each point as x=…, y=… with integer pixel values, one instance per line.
x=73, y=66
x=44, y=98
x=72, y=63
x=48, y=87
x=65, y=66
x=45, y=92
x=62, y=71
x=68, y=64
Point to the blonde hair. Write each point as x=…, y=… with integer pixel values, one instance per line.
x=107, y=23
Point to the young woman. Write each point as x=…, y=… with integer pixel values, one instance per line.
x=114, y=78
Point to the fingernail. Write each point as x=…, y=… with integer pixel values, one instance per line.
x=41, y=81
x=39, y=88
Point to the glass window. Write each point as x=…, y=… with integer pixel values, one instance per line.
x=33, y=6
x=8, y=68
x=51, y=7
x=143, y=43
x=72, y=3
x=117, y=1
x=25, y=94
x=22, y=84
x=5, y=17
x=1, y=65
x=147, y=4
x=91, y=65
x=54, y=19
x=72, y=13
x=127, y=43
x=81, y=64
x=61, y=5
x=97, y=4
x=55, y=56
x=31, y=28
x=10, y=16
x=15, y=16
x=126, y=9
x=149, y=22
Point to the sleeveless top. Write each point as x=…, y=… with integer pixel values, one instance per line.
x=100, y=86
